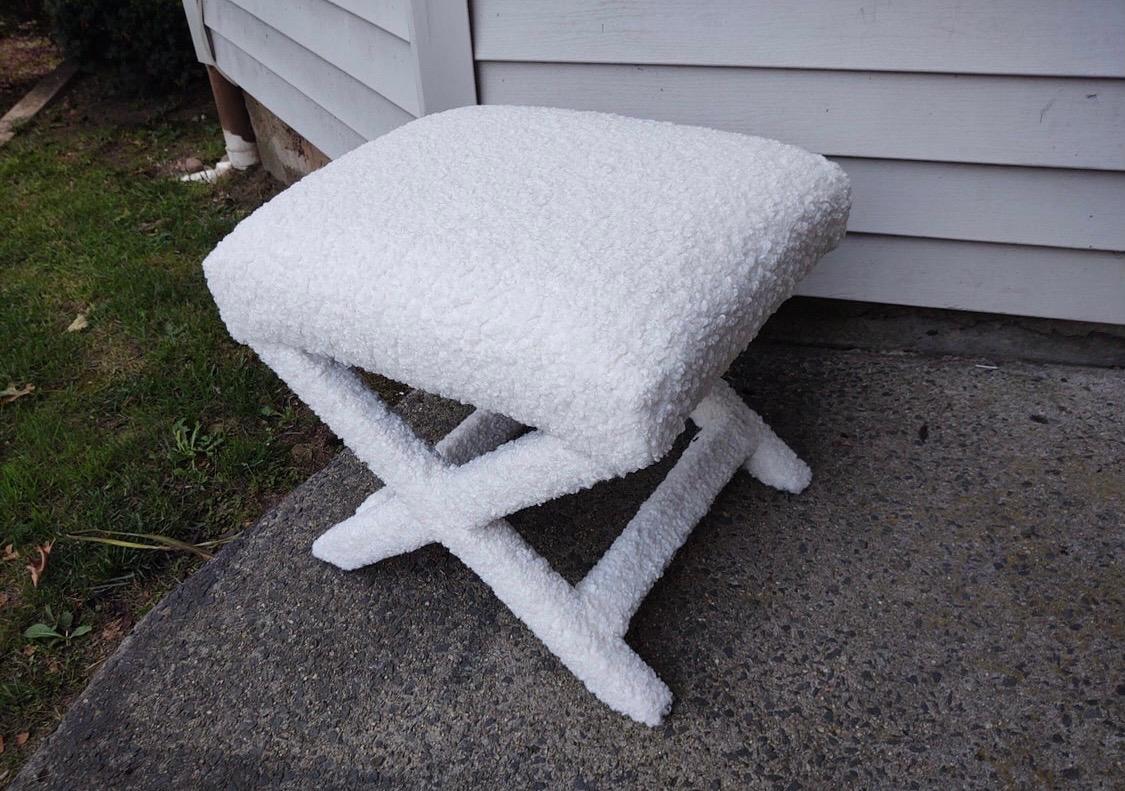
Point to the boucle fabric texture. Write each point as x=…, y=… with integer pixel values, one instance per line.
x=587, y=274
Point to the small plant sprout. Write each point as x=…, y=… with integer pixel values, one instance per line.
x=57, y=628
x=286, y=416
x=188, y=444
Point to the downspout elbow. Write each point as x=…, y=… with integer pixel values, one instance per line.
x=242, y=149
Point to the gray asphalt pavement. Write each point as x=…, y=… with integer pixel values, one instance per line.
x=942, y=608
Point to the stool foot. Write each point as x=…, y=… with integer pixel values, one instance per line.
x=776, y=465
x=771, y=461
x=358, y=541
x=583, y=639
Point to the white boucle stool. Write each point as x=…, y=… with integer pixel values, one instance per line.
x=587, y=275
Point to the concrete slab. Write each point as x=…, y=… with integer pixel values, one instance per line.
x=944, y=606
x=840, y=324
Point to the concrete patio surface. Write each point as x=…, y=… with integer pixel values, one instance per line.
x=943, y=607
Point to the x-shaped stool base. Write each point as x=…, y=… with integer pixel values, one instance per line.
x=459, y=492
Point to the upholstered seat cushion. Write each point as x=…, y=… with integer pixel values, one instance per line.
x=587, y=274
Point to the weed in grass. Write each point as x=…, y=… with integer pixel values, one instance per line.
x=57, y=628
x=190, y=445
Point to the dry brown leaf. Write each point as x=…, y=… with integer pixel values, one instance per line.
x=38, y=566
x=4, y=599
x=12, y=392
x=1, y=744
x=28, y=650
x=10, y=553
x=21, y=738
x=80, y=323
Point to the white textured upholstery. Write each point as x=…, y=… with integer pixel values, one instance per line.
x=586, y=274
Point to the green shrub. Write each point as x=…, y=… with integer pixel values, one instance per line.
x=146, y=42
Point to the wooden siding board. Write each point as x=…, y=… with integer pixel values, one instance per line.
x=988, y=203
x=1043, y=37
x=1037, y=281
x=391, y=15
x=375, y=57
x=346, y=98
x=1038, y=121
x=309, y=119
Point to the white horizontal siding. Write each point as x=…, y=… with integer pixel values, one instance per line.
x=998, y=278
x=375, y=57
x=308, y=118
x=1040, y=121
x=391, y=15
x=988, y=203
x=985, y=141
x=372, y=65
x=350, y=101
x=1045, y=37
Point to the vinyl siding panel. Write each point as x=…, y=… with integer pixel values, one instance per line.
x=988, y=203
x=1034, y=281
x=1033, y=37
x=375, y=57
x=392, y=16
x=985, y=141
x=308, y=118
x=349, y=101
x=1034, y=121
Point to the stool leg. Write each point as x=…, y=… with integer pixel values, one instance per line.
x=776, y=465
x=381, y=527
x=730, y=436
x=615, y=587
x=772, y=461
x=582, y=626
x=536, y=594
x=527, y=471
x=523, y=472
x=370, y=536
x=482, y=431
x=379, y=437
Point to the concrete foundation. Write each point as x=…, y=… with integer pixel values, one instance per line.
x=285, y=154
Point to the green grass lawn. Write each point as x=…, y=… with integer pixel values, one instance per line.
x=150, y=419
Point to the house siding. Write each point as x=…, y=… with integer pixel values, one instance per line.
x=340, y=72
x=985, y=141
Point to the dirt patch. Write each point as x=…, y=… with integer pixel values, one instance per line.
x=98, y=101
x=26, y=55
x=130, y=133
x=246, y=191
x=93, y=103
